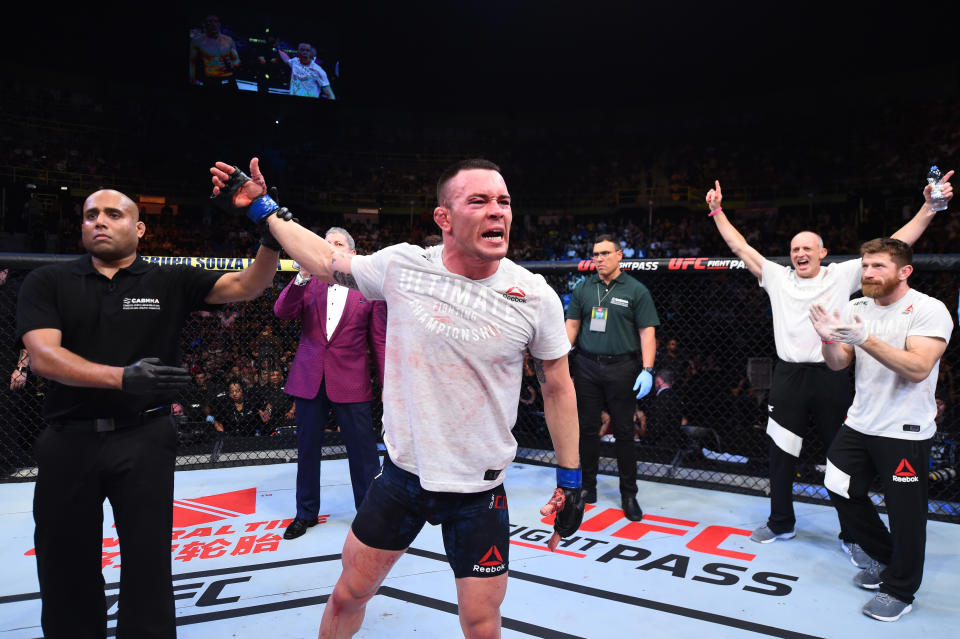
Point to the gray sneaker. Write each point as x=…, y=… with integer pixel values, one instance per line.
x=764, y=535
x=886, y=607
x=858, y=557
x=869, y=577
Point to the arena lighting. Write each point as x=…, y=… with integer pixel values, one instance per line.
x=63, y=188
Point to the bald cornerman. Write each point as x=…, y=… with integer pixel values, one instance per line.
x=104, y=329
x=803, y=387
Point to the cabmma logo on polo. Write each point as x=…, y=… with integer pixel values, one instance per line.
x=141, y=304
x=515, y=294
x=490, y=563
x=905, y=472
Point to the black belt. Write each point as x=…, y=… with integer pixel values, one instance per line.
x=607, y=359
x=107, y=424
x=819, y=365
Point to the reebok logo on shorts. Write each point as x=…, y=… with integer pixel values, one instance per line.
x=905, y=472
x=492, y=562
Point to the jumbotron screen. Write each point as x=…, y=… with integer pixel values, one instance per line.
x=265, y=56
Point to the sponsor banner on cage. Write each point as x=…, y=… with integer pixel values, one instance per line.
x=674, y=264
x=216, y=263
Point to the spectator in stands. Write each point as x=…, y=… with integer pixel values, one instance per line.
x=236, y=415
x=665, y=412
x=213, y=57
x=279, y=403
x=803, y=386
x=331, y=372
x=200, y=399
x=268, y=349
x=19, y=405
x=671, y=358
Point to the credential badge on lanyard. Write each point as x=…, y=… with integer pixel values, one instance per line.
x=598, y=319
x=598, y=314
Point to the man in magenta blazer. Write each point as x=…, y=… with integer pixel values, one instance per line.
x=330, y=370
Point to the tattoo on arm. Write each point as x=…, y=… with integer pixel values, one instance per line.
x=344, y=279
x=538, y=368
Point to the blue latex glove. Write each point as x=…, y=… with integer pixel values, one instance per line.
x=643, y=384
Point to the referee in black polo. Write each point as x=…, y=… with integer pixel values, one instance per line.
x=612, y=320
x=105, y=330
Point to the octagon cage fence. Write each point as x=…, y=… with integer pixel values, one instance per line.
x=715, y=334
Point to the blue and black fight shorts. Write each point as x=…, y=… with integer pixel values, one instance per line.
x=476, y=526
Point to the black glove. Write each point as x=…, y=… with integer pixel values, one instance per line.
x=570, y=515
x=224, y=199
x=149, y=376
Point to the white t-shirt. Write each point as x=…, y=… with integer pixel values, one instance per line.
x=886, y=404
x=454, y=361
x=307, y=80
x=790, y=300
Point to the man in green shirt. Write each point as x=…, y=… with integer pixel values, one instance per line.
x=613, y=321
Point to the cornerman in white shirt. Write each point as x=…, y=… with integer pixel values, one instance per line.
x=803, y=387
x=897, y=336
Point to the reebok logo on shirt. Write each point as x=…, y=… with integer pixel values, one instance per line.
x=905, y=472
x=908, y=310
x=515, y=294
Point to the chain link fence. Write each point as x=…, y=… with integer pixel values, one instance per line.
x=716, y=335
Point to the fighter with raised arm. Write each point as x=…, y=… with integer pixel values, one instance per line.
x=803, y=386
x=460, y=317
